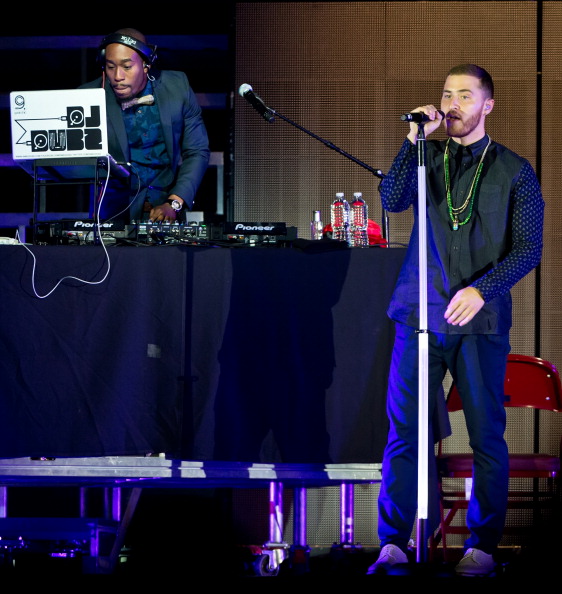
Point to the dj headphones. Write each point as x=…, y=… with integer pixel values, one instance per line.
x=148, y=52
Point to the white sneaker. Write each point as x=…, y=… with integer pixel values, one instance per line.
x=390, y=555
x=475, y=563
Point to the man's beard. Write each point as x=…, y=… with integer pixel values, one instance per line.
x=458, y=128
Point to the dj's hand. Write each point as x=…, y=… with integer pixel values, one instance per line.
x=162, y=212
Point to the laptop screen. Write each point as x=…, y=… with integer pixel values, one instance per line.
x=60, y=124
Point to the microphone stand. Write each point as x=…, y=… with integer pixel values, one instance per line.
x=423, y=358
x=377, y=172
x=423, y=337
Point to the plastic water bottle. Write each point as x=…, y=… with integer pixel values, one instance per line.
x=340, y=218
x=359, y=221
x=316, y=226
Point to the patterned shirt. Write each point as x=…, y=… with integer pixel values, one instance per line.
x=498, y=240
x=149, y=157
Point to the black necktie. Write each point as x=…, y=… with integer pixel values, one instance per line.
x=456, y=174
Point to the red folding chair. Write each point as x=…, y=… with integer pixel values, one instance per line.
x=530, y=383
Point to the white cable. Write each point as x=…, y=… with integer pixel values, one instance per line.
x=81, y=280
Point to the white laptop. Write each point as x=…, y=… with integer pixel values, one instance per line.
x=58, y=124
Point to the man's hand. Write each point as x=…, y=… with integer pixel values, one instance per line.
x=165, y=212
x=435, y=121
x=464, y=306
x=162, y=212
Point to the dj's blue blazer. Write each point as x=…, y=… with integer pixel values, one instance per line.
x=183, y=128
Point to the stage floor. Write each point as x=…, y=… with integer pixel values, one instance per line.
x=98, y=539
x=162, y=472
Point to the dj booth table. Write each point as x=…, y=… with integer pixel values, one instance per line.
x=241, y=365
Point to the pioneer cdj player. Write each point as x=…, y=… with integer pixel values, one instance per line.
x=87, y=232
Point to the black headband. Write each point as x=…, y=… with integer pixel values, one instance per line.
x=148, y=52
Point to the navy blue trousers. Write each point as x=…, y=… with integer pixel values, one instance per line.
x=477, y=363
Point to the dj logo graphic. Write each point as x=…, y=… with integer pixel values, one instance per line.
x=82, y=132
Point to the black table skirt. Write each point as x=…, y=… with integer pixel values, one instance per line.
x=236, y=354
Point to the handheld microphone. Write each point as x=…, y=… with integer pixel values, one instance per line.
x=419, y=117
x=247, y=92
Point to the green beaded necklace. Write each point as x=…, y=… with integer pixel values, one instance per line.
x=469, y=202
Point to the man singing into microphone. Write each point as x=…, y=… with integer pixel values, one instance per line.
x=155, y=125
x=484, y=233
